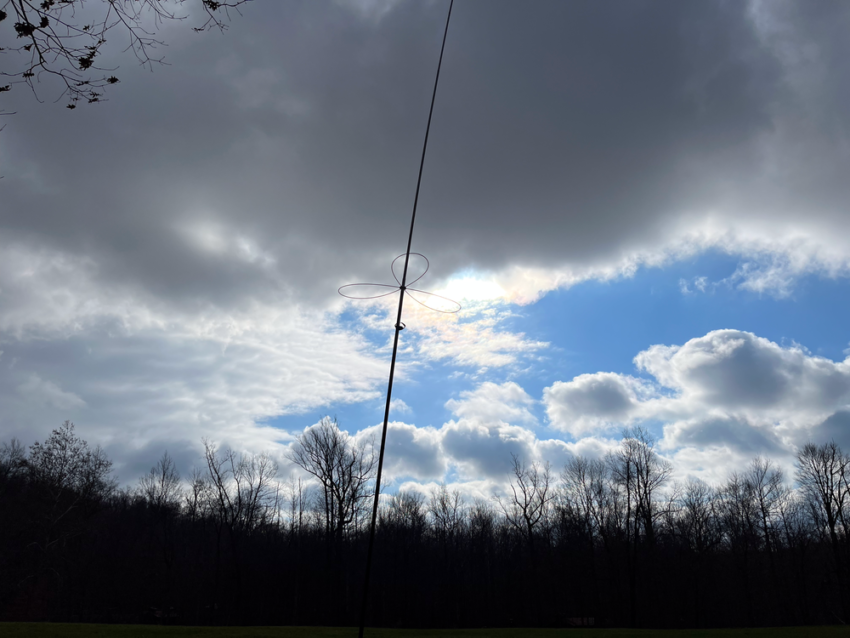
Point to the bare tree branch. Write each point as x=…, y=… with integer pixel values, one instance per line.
x=64, y=39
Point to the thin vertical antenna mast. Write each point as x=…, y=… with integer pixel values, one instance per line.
x=399, y=326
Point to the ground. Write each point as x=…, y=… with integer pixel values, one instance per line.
x=61, y=630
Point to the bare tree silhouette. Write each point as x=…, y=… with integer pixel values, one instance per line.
x=531, y=498
x=343, y=468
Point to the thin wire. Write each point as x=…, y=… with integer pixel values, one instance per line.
x=407, y=256
x=383, y=294
x=431, y=294
x=398, y=328
x=452, y=308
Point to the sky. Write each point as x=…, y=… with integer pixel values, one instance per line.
x=641, y=206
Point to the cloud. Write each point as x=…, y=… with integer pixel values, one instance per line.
x=711, y=464
x=476, y=337
x=594, y=401
x=725, y=431
x=36, y=389
x=735, y=370
x=485, y=433
x=484, y=449
x=555, y=452
x=715, y=401
x=729, y=390
x=491, y=423
x=594, y=447
x=138, y=376
x=506, y=402
x=699, y=284
x=369, y=9
x=470, y=491
x=836, y=427
x=398, y=405
x=479, y=343
x=412, y=452
x=303, y=167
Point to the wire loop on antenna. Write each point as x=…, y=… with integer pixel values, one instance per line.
x=355, y=291
x=427, y=266
x=348, y=295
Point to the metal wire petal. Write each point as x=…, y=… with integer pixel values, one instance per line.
x=412, y=281
x=360, y=294
x=430, y=295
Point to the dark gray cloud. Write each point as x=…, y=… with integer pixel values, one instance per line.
x=485, y=449
x=591, y=401
x=725, y=432
x=565, y=133
x=836, y=428
x=489, y=429
x=411, y=451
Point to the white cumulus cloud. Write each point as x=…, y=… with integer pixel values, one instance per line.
x=594, y=401
x=727, y=395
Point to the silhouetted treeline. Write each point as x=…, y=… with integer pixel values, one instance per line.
x=610, y=539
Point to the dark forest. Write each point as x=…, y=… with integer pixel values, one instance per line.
x=611, y=541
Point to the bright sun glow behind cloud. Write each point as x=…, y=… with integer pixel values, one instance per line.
x=473, y=288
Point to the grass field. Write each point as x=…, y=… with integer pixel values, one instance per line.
x=61, y=630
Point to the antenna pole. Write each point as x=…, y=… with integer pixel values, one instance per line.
x=399, y=326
